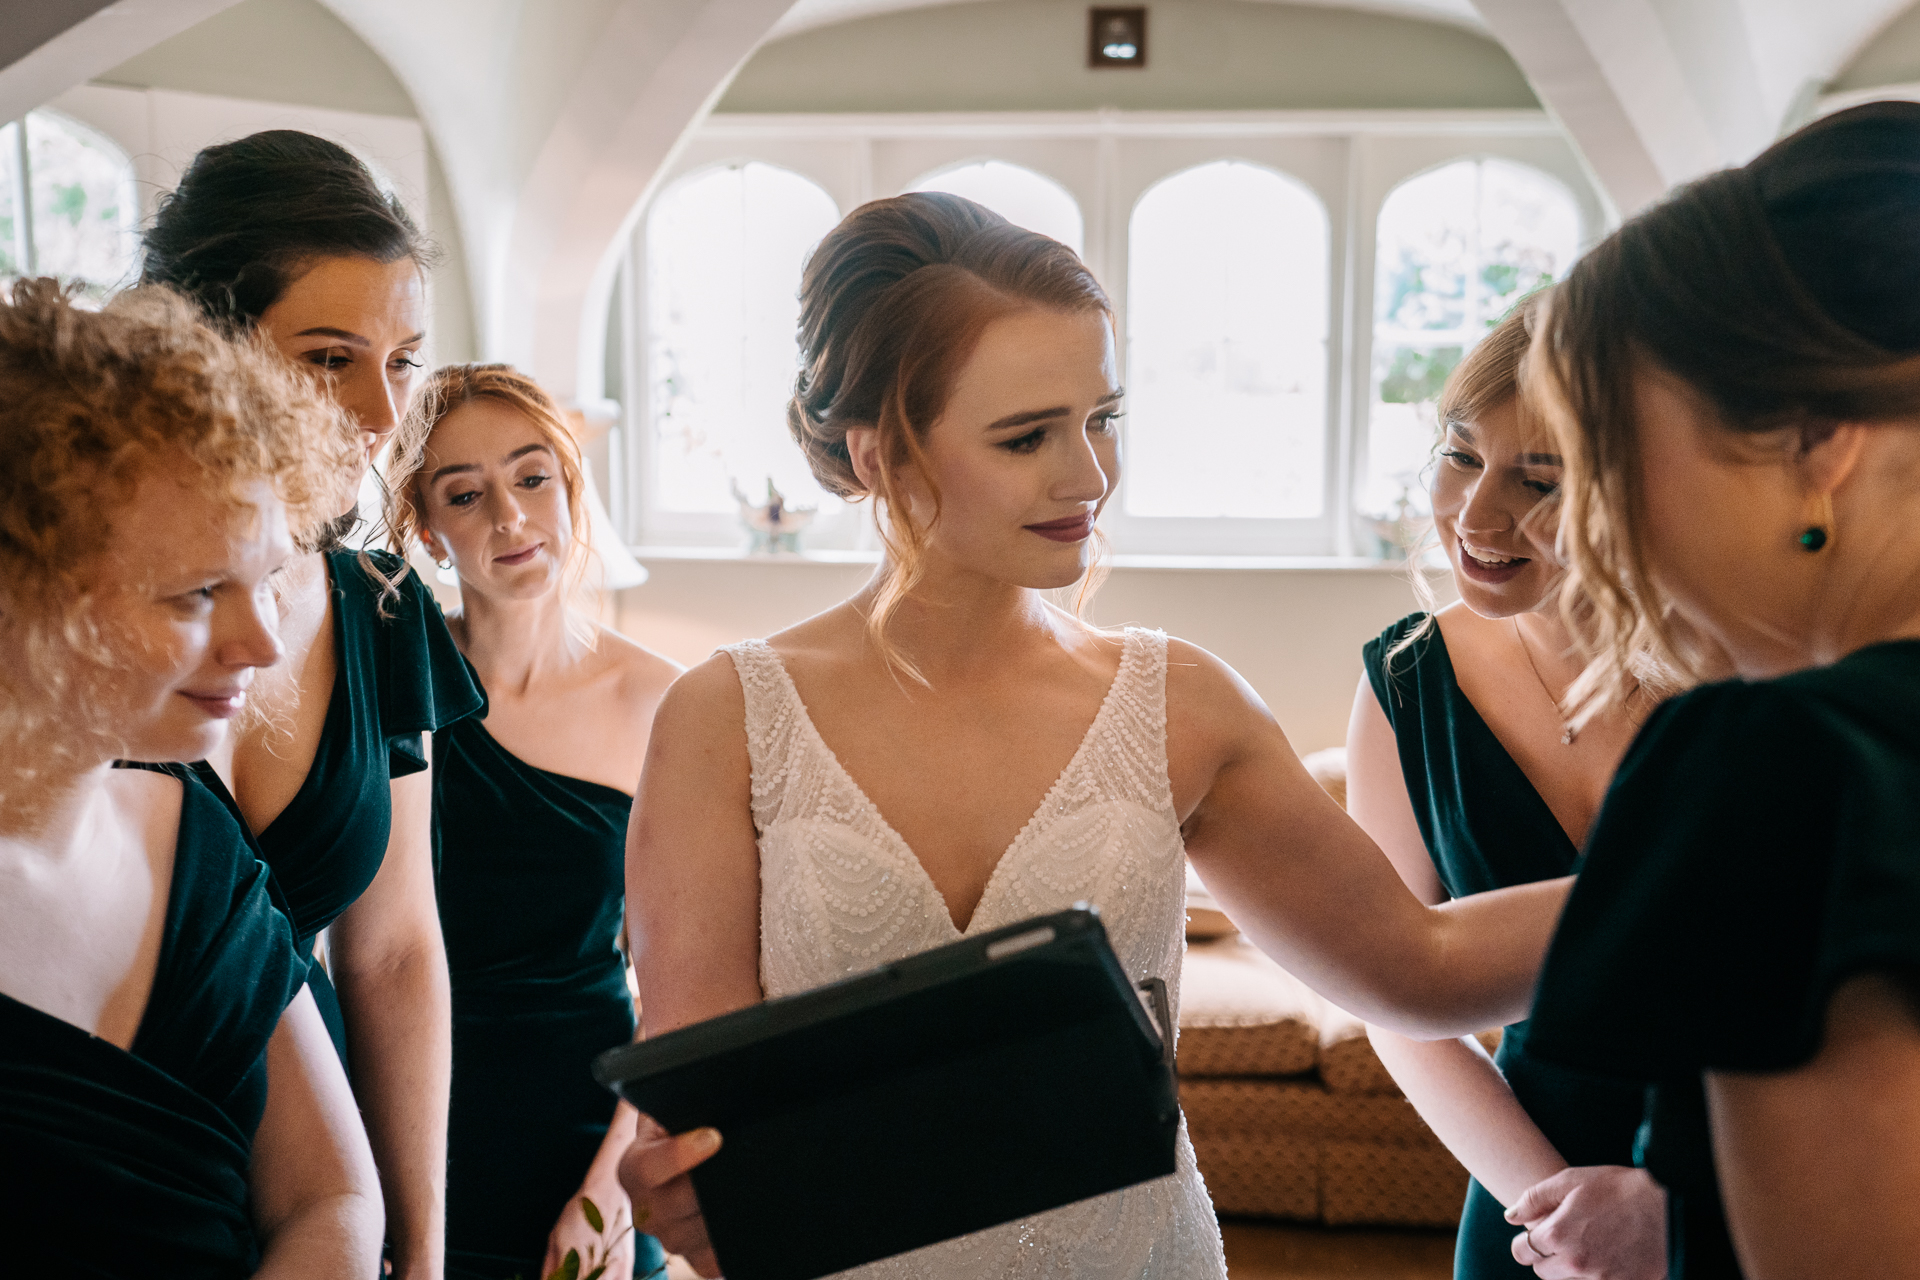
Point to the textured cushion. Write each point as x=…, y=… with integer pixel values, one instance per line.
x=1363, y=1183
x=1348, y=1063
x=1261, y=1177
x=1299, y=1109
x=1243, y=1015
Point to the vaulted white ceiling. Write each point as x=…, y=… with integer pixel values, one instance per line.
x=553, y=119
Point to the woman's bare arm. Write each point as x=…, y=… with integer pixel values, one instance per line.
x=1820, y=1167
x=316, y=1196
x=1316, y=894
x=1453, y=1084
x=390, y=965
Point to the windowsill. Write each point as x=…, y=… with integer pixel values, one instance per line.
x=1208, y=563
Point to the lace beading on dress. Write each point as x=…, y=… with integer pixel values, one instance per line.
x=841, y=893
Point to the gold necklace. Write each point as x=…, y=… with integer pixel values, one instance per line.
x=1568, y=732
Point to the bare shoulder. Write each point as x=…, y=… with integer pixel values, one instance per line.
x=150, y=802
x=704, y=698
x=642, y=675
x=1200, y=685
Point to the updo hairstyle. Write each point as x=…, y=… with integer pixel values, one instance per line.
x=452, y=386
x=91, y=402
x=249, y=216
x=892, y=303
x=1782, y=292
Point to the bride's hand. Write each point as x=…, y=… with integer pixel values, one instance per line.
x=654, y=1172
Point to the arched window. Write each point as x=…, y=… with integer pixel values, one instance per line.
x=724, y=252
x=1019, y=195
x=1458, y=247
x=81, y=220
x=1227, y=311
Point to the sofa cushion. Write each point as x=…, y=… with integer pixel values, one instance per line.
x=1243, y=1015
x=1299, y=1109
x=1367, y=1184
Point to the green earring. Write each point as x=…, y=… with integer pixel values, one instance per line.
x=1814, y=536
x=1813, y=539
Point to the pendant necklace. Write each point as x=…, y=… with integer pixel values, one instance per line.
x=1568, y=732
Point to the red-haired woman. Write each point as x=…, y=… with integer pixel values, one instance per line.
x=962, y=371
x=530, y=810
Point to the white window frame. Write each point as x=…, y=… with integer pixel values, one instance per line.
x=1351, y=160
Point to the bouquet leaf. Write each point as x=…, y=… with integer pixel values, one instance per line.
x=592, y=1211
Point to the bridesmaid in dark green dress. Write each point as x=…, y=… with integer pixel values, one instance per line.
x=1459, y=771
x=1736, y=375
x=531, y=807
x=169, y=1103
x=288, y=236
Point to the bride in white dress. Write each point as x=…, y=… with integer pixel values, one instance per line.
x=948, y=751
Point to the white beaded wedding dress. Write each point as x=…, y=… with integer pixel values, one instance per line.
x=841, y=893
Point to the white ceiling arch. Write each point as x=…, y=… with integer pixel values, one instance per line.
x=805, y=15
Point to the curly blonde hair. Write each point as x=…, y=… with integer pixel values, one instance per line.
x=450, y=387
x=91, y=402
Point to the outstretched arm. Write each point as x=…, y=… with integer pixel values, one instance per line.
x=1317, y=895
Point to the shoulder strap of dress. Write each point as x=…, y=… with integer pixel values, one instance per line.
x=1135, y=739
x=772, y=707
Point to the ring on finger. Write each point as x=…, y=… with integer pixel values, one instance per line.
x=1537, y=1251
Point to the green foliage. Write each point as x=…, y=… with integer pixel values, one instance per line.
x=599, y=1253
x=69, y=202
x=1417, y=374
x=592, y=1211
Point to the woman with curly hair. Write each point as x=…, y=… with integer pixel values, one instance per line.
x=169, y=1101
x=288, y=237
x=531, y=804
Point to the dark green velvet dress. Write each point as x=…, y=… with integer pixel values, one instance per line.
x=530, y=869
x=395, y=677
x=1760, y=846
x=118, y=1163
x=1486, y=827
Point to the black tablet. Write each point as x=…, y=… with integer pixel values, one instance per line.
x=964, y=1087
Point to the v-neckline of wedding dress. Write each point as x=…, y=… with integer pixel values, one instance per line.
x=899, y=842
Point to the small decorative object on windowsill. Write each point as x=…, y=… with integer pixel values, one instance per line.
x=772, y=526
x=1116, y=38
x=1400, y=530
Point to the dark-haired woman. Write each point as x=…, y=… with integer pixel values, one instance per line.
x=169, y=1102
x=789, y=831
x=288, y=235
x=1734, y=376
x=1462, y=767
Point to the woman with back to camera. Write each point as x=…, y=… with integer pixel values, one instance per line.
x=962, y=370
x=531, y=804
x=1734, y=377
x=288, y=235
x=170, y=1104
x=1461, y=767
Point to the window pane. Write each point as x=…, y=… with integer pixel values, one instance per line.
x=9, y=229
x=724, y=254
x=1227, y=347
x=1458, y=247
x=84, y=210
x=1019, y=195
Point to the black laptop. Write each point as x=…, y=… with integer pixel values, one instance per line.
x=961, y=1088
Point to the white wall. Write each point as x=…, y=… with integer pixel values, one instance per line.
x=1295, y=634
x=1215, y=55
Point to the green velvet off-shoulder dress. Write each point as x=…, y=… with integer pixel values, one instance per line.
x=1487, y=827
x=134, y=1162
x=1759, y=846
